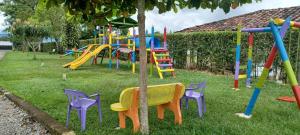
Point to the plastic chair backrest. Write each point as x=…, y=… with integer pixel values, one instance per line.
x=157, y=94
x=74, y=95
x=200, y=86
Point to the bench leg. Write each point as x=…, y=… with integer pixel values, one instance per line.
x=136, y=122
x=122, y=118
x=160, y=111
x=175, y=108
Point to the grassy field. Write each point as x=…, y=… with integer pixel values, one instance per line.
x=42, y=85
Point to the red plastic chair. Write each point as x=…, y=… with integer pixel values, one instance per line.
x=81, y=102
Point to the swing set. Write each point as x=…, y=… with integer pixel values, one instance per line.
x=278, y=34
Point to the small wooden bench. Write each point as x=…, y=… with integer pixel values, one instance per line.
x=162, y=96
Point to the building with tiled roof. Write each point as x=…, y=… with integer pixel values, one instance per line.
x=251, y=20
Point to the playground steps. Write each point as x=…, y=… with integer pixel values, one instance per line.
x=162, y=55
x=242, y=76
x=167, y=70
x=161, y=50
x=163, y=61
x=165, y=65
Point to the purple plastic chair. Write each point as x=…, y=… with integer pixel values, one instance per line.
x=190, y=93
x=81, y=102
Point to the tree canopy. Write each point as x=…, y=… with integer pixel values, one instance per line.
x=18, y=9
x=31, y=35
x=100, y=9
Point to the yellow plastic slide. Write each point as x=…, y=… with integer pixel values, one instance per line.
x=86, y=57
x=87, y=50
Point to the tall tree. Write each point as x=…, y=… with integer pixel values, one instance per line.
x=70, y=37
x=56, y=17
x=122, y=7
x=32, y=35
x=16, y=37
x=53, y=19
x=143, y=69
x=18, y=9
x=16, y=13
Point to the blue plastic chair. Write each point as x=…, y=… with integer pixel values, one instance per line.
x=81, y=102
x=190, y=93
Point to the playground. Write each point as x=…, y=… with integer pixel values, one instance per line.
x=111, y=43
x=43, y=87
x=89, y=68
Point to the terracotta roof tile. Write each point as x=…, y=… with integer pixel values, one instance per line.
x=251, y=20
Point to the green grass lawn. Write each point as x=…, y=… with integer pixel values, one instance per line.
x=42, y=85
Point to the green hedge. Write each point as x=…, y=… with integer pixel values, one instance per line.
x=48, y=47
x=215, y=51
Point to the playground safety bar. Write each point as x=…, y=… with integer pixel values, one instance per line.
x=263, y=29
x=71, y=52
x=279, y=21
x=124, y=45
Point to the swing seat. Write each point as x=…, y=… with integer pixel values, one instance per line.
x=287, y=99
x=242, y=76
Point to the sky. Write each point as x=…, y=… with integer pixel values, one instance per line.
x=2, y=21
x=190, y=17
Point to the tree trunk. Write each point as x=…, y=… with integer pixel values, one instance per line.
x=57, y=44
x=143, y=69
x=33, y=50
x=34, y=46
x=39, y=47
x=278, y=73
x=24, y=46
